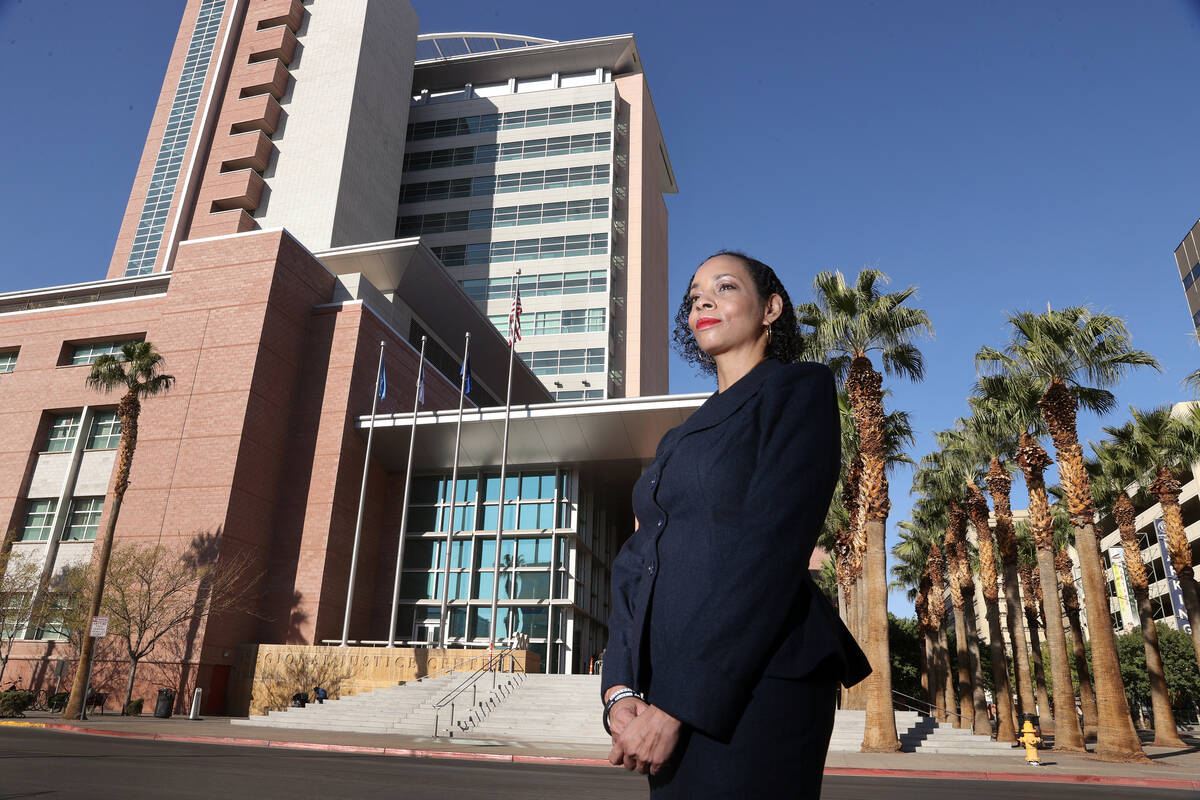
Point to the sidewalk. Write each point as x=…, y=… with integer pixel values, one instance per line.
x=1171, y=769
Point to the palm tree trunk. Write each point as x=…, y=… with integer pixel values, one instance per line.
x=1167, y=489
x=87, y=646
x=980, y=723
x=1083, y=673
x=1166, y=733
x=929, y=667
x=1039, y=674
x=1005, y=727
x=947, y=677
x=1116, y=738
x=1000, y=486
x=966, y=692
x=1067, y=734
x=880, y=733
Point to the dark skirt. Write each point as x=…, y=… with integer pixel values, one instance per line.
x=777, y=750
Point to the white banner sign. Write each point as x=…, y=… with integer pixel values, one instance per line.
x=99, y=627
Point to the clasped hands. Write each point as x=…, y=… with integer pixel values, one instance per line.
x=643, y=736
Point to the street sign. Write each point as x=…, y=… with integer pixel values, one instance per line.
x=99, y=627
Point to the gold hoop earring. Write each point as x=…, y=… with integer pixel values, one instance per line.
x=768, y=326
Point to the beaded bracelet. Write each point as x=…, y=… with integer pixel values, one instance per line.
x=617, y=697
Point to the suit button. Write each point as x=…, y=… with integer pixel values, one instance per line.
x=650, y=569
x=653, y=481
x=662, y=522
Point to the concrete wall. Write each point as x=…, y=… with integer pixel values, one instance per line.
x=336, y=177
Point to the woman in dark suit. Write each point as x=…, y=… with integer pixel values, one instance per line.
x=723, y=656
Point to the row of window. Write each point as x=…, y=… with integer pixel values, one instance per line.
x=83, y=520
x=529, y=503
x=506, y=217
x=531, y=552
x=176, y=134
x=461, y=255
x=577, y=394
x=104, y=435
x=1191, y=277
x=549, y=323
x=530, y=621
x=508, y=151
x=551, y=283
x=564, y=362
x=485, y=185
x=509, y=120
x=88, y=353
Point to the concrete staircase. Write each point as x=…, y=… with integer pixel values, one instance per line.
x=918, y=734
x=550, y=708
x=407, y=709
x=560, y=709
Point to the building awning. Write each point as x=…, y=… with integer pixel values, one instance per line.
x=564, y=433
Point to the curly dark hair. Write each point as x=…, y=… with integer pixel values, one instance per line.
x=785, y=343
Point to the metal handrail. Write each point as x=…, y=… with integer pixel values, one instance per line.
x=496, y=659
x=453, y=667
x=931, y=706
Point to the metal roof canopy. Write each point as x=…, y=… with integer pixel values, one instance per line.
x=411, y=271
x=616, y=53
x=551, y=433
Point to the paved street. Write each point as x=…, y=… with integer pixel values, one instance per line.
x=45, y=764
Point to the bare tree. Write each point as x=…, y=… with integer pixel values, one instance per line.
x=19, y=610
x=153, y=595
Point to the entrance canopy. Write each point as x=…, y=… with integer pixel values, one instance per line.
x=626, y=429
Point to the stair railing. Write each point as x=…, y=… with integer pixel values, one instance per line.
x=907, y=706
x=479, y=710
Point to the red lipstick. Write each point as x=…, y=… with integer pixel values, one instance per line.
x=706, y=322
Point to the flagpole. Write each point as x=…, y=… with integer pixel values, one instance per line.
x=513, y=327
x=462, y=391
x=362, y=497
x=412, y=439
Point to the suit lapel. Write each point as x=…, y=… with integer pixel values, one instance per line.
x=719, y=406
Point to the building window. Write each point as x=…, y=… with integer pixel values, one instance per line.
x=523, y=250
x=510, y=120
x=547, y=285
x=54, y=625
x=552, y=323
x=577, y=394
x=88, y=353
x=509, y=151
x=174, y=144
x=14, y=614
x=506, y=217
x=39, y=520
x=106, y=431
x=84, y=520
x=8, y=361
x=487, y=185
x=63, y=430
x=564, y=362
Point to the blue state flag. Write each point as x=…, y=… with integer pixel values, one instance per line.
x=382, y=380
x=466, y=375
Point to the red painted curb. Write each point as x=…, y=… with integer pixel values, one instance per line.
x=1024, y=777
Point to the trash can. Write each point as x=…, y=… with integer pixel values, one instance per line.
x=166, y=702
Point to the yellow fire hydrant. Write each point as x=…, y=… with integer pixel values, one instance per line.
x=1031, y=740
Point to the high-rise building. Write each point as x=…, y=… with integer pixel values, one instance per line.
x=323, y=190
x=1187, y=259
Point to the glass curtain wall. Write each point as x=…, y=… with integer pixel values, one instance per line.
x=539, y=527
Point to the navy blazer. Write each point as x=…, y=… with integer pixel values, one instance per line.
x=713, y=592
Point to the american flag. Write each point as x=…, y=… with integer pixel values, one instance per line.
x=514, y=317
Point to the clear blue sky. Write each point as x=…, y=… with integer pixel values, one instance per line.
x=997, y=155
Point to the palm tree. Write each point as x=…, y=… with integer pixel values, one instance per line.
x=847, y=324
x=1018, y=394
x=910, y=568
x=1112, y=472
x=938, y=481
x=1153, y=448
x=138, y=371
x=995, y=427
x=1063, y=535
x=1057, y=350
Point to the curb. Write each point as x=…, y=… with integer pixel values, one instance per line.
x=513, y=758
